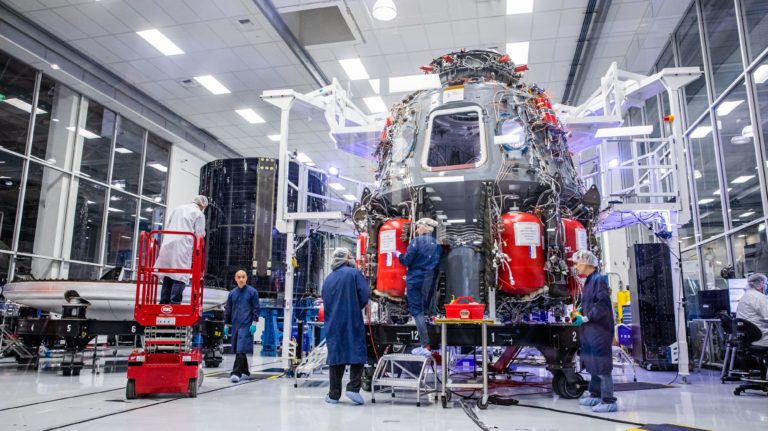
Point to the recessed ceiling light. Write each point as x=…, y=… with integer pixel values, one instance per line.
x=701, y=132
x=436, y=198
x=212, y=84
x=697, y=174
x=350, y=197
x=160, y=42
x=115, y=210
x=375, y=85
x=336, y=186
x=402, y=84
x=84, y=133
x=354, y=69
x=274, y=137
x=613, y=163
x=303, y=158
x=333, y=170
x=761, y=74
x=727, y=107
x=24, y=106
x=123, y=150
x=55, y=66
x=158, y=166
x=748, y=214
x=375, y=104
x=250, y=115
x=515, y=7
x=518, y=52
x=742, y=179
x=623, y=131
x=717, y=192
x=706, y=201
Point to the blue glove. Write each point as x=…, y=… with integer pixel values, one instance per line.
x=252, y=329
x=226, y=331
x=578, y=320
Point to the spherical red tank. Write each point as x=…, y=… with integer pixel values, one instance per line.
x=390, y=273
x=575, y=239
x=523, y=242
x=361, y=250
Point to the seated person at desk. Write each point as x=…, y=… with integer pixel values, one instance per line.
x=753, y=306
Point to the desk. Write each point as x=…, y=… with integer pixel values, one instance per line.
x=446, y=385
x=706, y=345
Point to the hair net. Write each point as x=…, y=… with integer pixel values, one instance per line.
x=200, y=200
x=757, y=281
x=586, y=257
x=341, y=256
x=427, y=223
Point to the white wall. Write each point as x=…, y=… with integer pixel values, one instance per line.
x=184, y=179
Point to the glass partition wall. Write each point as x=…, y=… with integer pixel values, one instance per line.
x=77, y=180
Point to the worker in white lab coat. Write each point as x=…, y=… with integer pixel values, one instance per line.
x=753, y=306
x=176, y=250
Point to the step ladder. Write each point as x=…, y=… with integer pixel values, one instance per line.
x=313, y=364
x=398, y=371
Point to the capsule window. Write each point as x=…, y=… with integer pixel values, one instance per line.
x=456, y=140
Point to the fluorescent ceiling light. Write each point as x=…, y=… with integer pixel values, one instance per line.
x=761, y=227
x=250, y=115
x=518, y=52
x=742, y=179
x=706, y=201
x=727, y=107
x=123, y=150
x=354, y=69
x=701, y=132
x=697, y=174
x=84, y=133
x=717, y=192
x=761, y=74
x=384, y=10
x=350, y=197
x=275, y=138
x=452, y=179
x=149, y=210
x=24, y=106
x=212, y=84
x=160, y=42
x=303, y=158
x=158, y=166
x=613, y=163
x=375, y=104
x=409, y=83
x=436, y=198
x=515, y=7
x=375, y=85
x=336, y=186
x=748, y=214
x=608, y=132
x=115, y=210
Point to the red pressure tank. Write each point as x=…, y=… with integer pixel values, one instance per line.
x=523, y=242
x=575, y=239
x=361, y=250
x=390, y=273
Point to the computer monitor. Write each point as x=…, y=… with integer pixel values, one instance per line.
x=712, y=302
x=736, y=289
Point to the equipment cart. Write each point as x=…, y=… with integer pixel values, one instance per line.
x=445, y=392
x=168, y=361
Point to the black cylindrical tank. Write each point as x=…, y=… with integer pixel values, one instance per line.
x=240, y=220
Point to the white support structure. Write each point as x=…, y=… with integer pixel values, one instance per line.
x=347, y=123
x=659, y=176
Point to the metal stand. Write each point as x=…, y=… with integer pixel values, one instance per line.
x=706, y=345
x=446, y=386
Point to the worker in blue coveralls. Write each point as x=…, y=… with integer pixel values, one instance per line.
x=421, y=258
x=596, y=321
x=242, y=314
x=345, y=295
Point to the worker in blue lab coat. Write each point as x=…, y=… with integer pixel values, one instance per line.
x=345, y=295
x=596, y=321
x=421, y=258
x=242, y=314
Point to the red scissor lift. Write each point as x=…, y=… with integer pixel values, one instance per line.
x=167, y=363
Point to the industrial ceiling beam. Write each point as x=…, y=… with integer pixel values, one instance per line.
x=268, y=9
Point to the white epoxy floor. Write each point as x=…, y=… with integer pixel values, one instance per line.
x=46, y=401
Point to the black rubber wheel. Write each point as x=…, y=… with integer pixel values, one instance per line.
x=393, y=394
x=482, y=405
x=130, y=390
x=444, y=401
x=555, y=382
x=192, y=390
x=418, y=404
x=449, y=395
x=373, y=400
x=567, y=390
x=736, y=392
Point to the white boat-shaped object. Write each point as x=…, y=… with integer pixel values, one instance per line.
x=110, y=300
